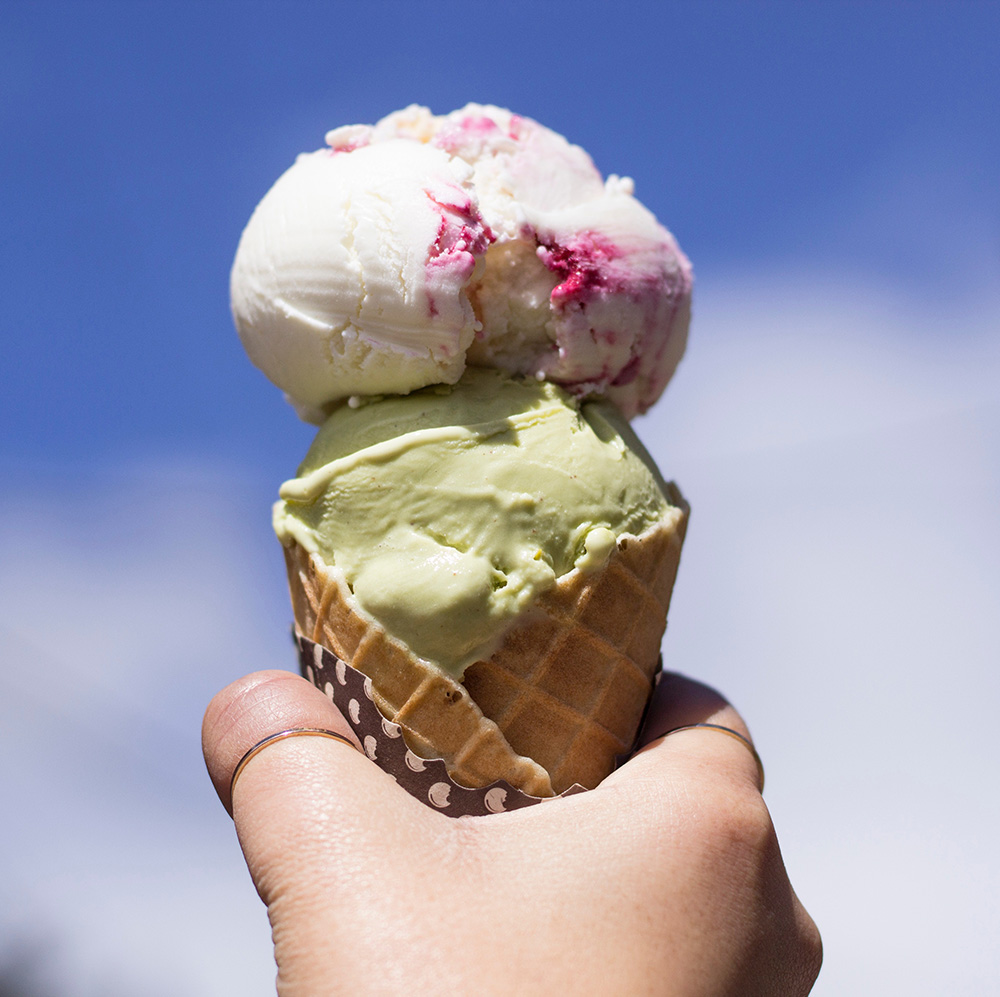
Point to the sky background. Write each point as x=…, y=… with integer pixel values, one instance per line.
x=833, y=171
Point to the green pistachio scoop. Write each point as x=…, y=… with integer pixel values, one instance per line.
x=449, y=510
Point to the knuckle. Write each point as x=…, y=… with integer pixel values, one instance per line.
x=810, y=945
x=737, y=820
x=749, y=823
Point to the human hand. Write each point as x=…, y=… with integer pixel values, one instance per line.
x=665, y=879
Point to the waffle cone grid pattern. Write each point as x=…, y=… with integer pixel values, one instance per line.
x=560, y=698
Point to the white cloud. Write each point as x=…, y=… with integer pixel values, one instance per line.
x=840, y=582
x=126, y=601
x=781, y=359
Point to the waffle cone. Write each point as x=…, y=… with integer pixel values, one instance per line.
x=559, y=699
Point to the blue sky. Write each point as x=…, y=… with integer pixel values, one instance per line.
x=833, y=171
x=140, y=136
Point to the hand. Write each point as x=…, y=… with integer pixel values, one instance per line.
x=666, y=879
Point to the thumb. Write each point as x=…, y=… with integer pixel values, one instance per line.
x=305, y=807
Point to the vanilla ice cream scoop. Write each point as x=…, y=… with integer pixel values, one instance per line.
x=410, y=249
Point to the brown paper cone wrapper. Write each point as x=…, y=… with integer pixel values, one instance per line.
x=551, y=710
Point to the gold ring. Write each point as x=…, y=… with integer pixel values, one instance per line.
x=745, y=741
x=280, y=736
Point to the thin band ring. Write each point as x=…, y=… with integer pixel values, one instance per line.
x=281, y=736
x=745, y=741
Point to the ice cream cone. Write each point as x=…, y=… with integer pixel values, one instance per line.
x=559, y=699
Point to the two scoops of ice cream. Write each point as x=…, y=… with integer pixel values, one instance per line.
x=472, y=315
